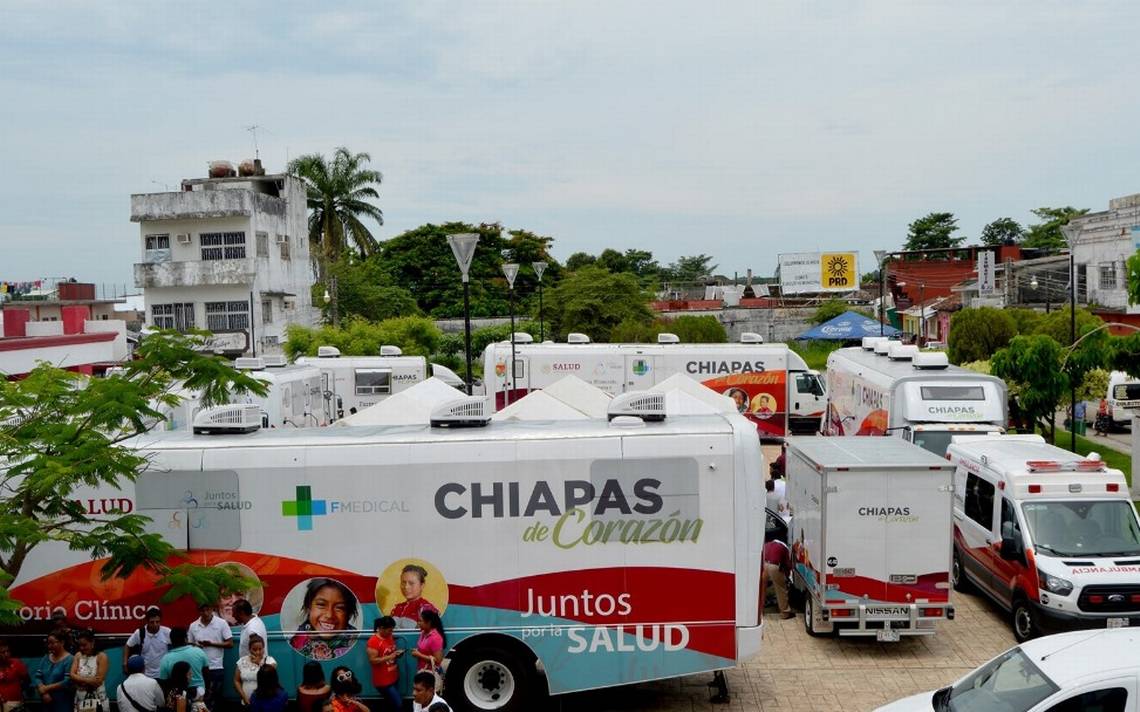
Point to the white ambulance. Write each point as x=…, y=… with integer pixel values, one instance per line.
x=1050, y=536
x=870, y=535
x=352, y=383
x=888, y=388
x=1123, y=398
x=771, y=384
x=562, y=555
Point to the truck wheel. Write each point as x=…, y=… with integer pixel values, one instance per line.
x=809, y=616
x=958, y=574
x=1024, y=621
x=490, y=679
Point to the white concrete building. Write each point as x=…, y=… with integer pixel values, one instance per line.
x=229, y=255
x=1107, y=239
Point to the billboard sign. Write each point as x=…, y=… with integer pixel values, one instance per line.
x=986, y=274
x=802, y=272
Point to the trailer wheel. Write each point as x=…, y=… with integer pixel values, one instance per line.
x=958, y=574
x=809, y=616
x=490, y=679
x=1023, y=619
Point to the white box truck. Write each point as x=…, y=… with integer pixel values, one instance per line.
x=1123, y=398
x=871, y=535
x=563, y=557
x=771, y=384
x=885, y=387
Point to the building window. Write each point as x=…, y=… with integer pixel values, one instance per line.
x=263, y=244
x=227, y=316
x=283, y=240
x=156, y=248
x=1108, y=276
x=173, y=316
x=266, y=311
x=222, y=245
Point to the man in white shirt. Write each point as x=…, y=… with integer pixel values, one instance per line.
x=139, y=692
x=251, y=624
x=423, y=693
x=212, y=634
x=151, y=641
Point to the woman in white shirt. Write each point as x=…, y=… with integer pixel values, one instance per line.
x=245, y=672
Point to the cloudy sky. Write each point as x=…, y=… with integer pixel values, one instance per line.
x=738, y=129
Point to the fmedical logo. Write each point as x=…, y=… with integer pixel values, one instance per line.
x=304, y=508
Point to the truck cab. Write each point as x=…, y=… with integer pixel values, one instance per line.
x=1049, y=535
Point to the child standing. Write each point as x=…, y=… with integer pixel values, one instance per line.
x=345, y=689
x=382, y=654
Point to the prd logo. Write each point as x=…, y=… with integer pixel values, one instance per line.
x=304, y=508
x=640, y=367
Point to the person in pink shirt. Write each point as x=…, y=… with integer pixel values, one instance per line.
x=429, y=648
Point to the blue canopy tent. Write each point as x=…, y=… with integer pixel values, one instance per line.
x=848, y=326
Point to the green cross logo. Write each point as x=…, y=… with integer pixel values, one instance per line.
x=304, y=508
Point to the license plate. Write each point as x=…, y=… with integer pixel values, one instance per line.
x=879, y=612
x=887, y=636
x=1117, y=622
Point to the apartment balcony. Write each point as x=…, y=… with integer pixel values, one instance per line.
x=193, y=273
x=194, y=205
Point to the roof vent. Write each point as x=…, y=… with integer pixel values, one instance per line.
x=902, y=352
x=275, y=361
x=575, y=337
x=870, y=341
x=466, y=412
x=224, y=419
x=647, y=405
x=246, y=363
x=666, y=338
x=931, y=360
x=389, y=350
x=882, y=348
x=521, y=337
x=751, y=337
x=328, y=352
x=626, y=421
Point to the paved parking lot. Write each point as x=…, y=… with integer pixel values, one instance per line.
x=796, y=672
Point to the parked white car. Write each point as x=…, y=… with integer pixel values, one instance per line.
x=1084, y=670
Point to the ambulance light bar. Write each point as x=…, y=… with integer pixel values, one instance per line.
x=1054, y=466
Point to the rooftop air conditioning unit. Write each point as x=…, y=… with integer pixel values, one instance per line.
x=751, y=337
x=931, y=360
x=229, y=419
x=282, y=239
x=275, y=361
x=328, y=352
x=882, y=348
x=246, y=363
x=466, y=412
x=389, y=350
x=647, y=405
x=575, y=337
x=183, y=238
x=666, y=338
x=521, y=337
x=902, y=352
x=869, y=342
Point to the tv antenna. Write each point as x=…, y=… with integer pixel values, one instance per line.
x=166, y=186
x=253, y=131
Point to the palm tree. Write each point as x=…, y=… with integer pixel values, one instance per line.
x=338, y=193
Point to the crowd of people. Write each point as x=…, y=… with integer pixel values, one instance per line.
x=182, y=670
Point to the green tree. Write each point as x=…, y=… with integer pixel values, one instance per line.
x=1132, y=267
x=338, y=194
x=1125, y=354
x=1003, y=231
x=933, y=231
x=1047, y=233
x=689, y=329
x=833, y=308
x=690, y=269
x=1027, y=320
x=366, y=290
x=593, y=300
x=60, y=431
x=1032, y=367
x=579, y=259
x=976, y=333
x=415, y=335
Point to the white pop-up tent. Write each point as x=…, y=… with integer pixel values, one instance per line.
x=680, y=383
x=582, y=396
x=410, y=407
x=539, y=405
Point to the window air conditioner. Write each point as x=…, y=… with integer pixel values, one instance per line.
x=183, y=239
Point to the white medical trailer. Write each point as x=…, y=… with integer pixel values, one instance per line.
x=871, y=535
x=771, y=384
x=885, y=387
x=563, y=555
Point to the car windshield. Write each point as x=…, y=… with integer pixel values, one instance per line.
x=1008, y=683
x=1083, y=528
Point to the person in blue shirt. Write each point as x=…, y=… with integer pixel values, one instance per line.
x=52, y=677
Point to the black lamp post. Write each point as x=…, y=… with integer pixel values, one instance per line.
x=510, y=271
x=463, y=247
x=881, y=256
x=539, y=268
x=1071, y=233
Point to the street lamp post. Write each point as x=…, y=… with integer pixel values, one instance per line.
x=331, y=299
x=510, y=271
x=881, y=258
x=539, y=268
x=1071, y=233
x=463, y=247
